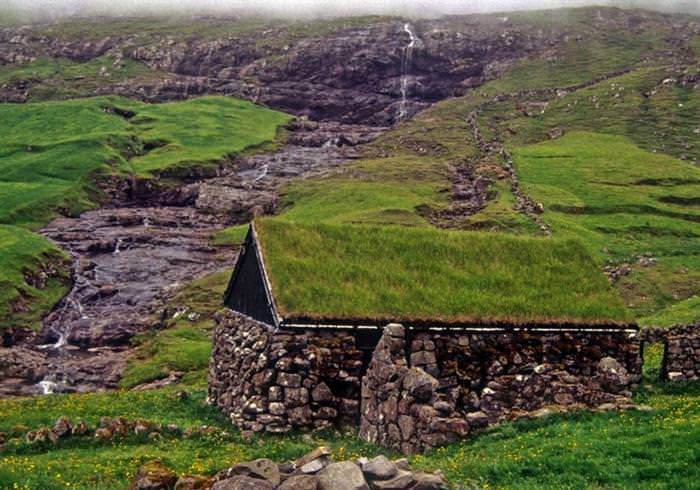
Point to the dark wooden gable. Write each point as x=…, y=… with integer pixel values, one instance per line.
x=248, y=290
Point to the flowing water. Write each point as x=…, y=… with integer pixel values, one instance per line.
x=406, y=65
x=130, y=259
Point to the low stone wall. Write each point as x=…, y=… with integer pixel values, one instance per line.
x=273, y=382
x=423, y=390
x=682, y=351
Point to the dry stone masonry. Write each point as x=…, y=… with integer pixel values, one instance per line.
x=458, y=382
x=418, y=389
x=268, y=381
x=682, y=351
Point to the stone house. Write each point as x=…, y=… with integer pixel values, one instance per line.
x=417, y=336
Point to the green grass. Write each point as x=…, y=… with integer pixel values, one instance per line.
x=23, y=252
x=52, y=152
x=184, y=343
x=656, y=450
x=379, y=272
x=614, y=196
x=682, y=313
x=232, y=236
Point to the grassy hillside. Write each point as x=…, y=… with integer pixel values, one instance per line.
x=50, y=153
x=375, y=273
x=60, y=78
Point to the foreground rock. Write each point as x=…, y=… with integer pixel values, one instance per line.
x=314, y=471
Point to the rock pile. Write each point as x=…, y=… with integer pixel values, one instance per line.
x=313, y=471
x=108, y=428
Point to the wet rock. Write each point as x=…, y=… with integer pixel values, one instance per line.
x=342, y=476
x=154, y=475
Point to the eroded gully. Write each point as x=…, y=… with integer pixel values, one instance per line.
x=130, y=258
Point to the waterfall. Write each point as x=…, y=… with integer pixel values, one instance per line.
x=406, y=62
x=263, y=174
x=117, y=246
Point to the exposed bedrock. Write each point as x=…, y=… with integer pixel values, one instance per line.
x=130, y=257
x=352, y=75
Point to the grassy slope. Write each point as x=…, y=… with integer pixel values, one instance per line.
x=626, y=203
x=50, y=151
x=659, y=118
x=374, y=272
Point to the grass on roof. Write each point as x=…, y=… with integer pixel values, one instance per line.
x=380, y=272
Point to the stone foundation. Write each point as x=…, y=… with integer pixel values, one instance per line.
x=424, y=390
x=273, y=382
x=682, y=351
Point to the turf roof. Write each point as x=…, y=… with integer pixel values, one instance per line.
x=424, y=275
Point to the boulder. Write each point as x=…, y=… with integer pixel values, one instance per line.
x=262, y=468
x=300, y=482
x=427, y=481
x=63, y=427
x=402, y=481
x=80, y=428
x=342, y=476
x=242, y=482
x=193, y=482
x=319, y=452
x=154, y=475
x=103, y=434
x=379, y=468
x=420, y=384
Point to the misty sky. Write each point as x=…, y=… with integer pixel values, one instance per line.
x=53, y=8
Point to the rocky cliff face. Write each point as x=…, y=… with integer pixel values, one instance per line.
x=350, y=75
x=349, y=72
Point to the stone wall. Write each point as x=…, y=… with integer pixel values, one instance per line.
x=401, y=408
x=268, y=381
x=423, y=390
x=420, y=389
x=682, y=351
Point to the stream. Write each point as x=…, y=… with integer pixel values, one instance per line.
x=129, y=260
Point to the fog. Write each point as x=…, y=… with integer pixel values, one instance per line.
x=49, y=9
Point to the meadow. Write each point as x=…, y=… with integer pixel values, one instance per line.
x=656, y=448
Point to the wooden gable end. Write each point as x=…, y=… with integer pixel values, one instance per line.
x=248, y=291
